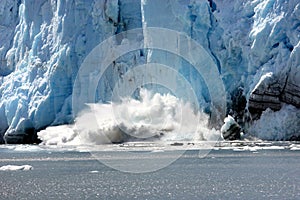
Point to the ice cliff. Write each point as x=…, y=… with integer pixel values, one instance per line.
x=254, y=43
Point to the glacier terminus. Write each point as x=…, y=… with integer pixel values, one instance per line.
x=253, y=46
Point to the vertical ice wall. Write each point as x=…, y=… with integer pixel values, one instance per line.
x=47, y=46
x=254, y=44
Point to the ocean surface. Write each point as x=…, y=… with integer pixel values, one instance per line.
x=231, y=171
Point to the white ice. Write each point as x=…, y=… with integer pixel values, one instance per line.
x=16, y=168
x=43, y=44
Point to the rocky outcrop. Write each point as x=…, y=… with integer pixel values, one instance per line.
x=231, y=130
x=266, y=94
x=273, y=90
x=291, y=94
x=291, y=90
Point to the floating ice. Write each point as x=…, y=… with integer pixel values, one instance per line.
x=16, y=167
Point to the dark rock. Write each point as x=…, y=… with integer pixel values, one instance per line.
x=275, y=89
x=1, y=140
x=28, y=136
x=291, y=94
x=238, y=105
x=233, y=133
x=265, y=95
x=271, y=93
x=294, y=138
x=231, y=130
x=177, y=144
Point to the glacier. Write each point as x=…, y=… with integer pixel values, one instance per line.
x=255, y=45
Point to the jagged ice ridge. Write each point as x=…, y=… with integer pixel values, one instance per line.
x=254, y=43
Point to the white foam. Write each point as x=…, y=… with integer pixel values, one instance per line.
x=279, y=125
x=22, y=147
x=245, y=148
x=154, y=116
x=294, y=147
x=30, y=148
x=57, y=135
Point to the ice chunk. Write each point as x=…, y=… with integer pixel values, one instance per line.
x=16, y=167
x=231, y=130
x=277, y=125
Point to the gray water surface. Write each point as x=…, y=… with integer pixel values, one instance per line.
x=222, y=174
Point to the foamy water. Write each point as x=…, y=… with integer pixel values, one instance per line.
x=154, y=117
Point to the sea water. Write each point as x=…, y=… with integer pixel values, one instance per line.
x=229, y=171
x=176, y=156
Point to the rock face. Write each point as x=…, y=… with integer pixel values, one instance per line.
x=291, y=90
x=271, y=93
x=278, y=80
x=274, y=90
x=267, y=94
x=231, y=130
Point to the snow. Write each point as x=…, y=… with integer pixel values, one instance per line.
x=16, y=167
x=44, y=43
x=263, y=80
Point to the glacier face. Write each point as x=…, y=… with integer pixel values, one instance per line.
x=254, y=43
x=49, y=42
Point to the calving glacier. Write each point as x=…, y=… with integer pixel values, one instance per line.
x=254, y=45
x=154, y=117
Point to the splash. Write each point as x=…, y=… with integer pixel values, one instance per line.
x=152, y=117
x=277, y=125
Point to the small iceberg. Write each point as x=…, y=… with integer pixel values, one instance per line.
x=16, y=167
